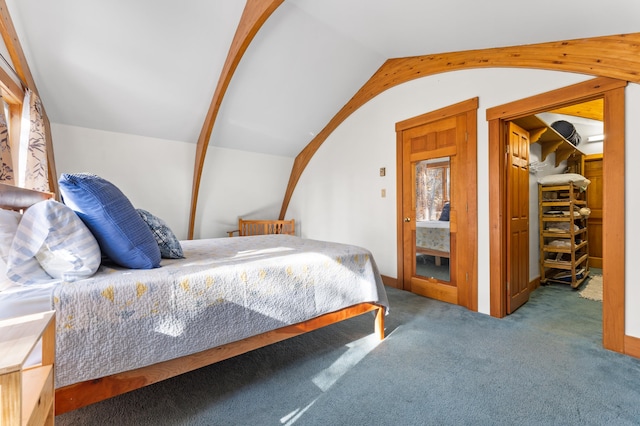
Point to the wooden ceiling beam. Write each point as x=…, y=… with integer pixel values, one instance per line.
x=616, y=56
x=254, y=15
x=593, y=110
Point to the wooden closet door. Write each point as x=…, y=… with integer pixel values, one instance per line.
x=518, y=217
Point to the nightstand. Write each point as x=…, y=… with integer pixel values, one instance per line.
x=27, y=392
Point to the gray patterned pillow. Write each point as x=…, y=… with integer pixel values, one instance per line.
x=168, y=243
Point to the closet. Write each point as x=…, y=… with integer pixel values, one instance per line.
x=562, y=244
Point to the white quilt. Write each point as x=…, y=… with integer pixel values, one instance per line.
x=226, y=289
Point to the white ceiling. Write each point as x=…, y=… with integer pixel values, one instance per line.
x=150, y=67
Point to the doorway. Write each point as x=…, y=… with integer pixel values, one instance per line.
x=538, y=250
x=437, y=204
x=611, y=91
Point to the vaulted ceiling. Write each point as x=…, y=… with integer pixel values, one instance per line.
x=150, y=67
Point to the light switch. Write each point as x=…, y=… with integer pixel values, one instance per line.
x=383, y=171
x=383, y=193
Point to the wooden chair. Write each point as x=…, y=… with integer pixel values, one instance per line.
x=264, y=227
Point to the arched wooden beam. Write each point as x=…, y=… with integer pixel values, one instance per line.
x=255, y=14
x=19, y=61
x=616, y=56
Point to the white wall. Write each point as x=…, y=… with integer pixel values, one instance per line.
x=152, y=173
x=338, y=196
x=632, y=207
x=156, y=175
x=240, y=184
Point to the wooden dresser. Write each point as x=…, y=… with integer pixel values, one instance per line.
x=27, y=393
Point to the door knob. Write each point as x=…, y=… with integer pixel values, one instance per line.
x=407, y=219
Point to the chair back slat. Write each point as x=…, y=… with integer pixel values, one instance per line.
x=265, y=227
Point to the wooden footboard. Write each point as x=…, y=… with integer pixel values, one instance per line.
x=80, y=394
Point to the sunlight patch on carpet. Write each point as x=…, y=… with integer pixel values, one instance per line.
x=330, y=375
x=592, y=288
x=292, y=417
x=357, y=351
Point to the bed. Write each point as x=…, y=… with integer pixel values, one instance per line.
x=432, y=238
x=121, y=329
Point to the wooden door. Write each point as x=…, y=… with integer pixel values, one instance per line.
x=441, y=143
x=518, y=217
x=594, y=172
x=434, y=144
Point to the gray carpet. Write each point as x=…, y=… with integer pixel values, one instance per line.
x=439, y=365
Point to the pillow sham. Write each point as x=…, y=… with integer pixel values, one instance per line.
x=9, y=221
x=168, y=243
x=122, y=234
x=51, y=242
x=5, y=282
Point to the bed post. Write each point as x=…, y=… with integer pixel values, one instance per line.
x=379, y=327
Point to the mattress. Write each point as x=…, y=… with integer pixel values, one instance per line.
x=24, y=300
x=433, y=235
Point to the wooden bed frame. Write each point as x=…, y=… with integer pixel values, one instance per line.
x=16, y=198
x=435, y=253
x=84, y=393
x=78, y=395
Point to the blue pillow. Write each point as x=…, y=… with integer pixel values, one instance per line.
x=168, y=243
x=121, y=233
x=445, y=212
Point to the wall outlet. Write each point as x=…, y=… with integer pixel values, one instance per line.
x=383, y=171
x=383, y=193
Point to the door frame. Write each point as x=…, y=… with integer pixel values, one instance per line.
x=612, y=92
x=467, y=288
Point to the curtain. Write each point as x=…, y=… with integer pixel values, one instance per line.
x=431, y=181
x=33, y=144
x=6, y=161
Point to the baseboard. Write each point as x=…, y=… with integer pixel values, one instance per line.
x=534, y=284
x=632, y=346
x=391, y=282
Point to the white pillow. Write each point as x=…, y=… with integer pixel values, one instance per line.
x=564, y=178
x=52, y=242
x=9, y=221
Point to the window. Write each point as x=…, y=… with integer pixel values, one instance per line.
x=432, y=188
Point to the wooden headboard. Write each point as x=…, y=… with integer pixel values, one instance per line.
x=16, y=198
